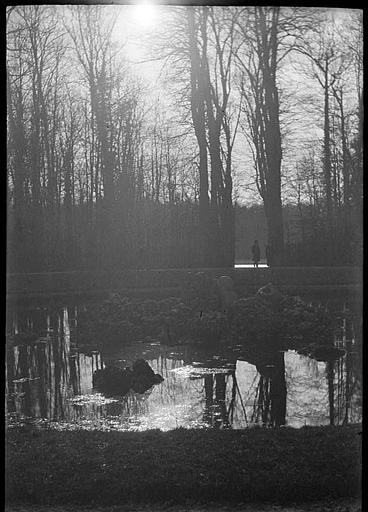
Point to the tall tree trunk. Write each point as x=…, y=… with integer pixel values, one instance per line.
x=345, y=158
x=264, y=123
x=273, y=209
x=198, y=117
x=272, y=138
x=17, y=148
x=327, y=148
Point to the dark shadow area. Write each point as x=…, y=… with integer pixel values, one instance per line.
x=106, y=468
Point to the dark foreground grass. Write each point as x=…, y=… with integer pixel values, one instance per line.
x=182, y=466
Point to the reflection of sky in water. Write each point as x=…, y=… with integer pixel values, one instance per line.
x=307, y=391
x=51, y=383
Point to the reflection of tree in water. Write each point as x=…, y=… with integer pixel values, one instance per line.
x=344, y=374
x=322, y=392
x=217, y=413
x=173, y=403
x=173, y=390
x=42, y=376
x=270, y=400
x=329, y=390
x=208, y=388
x=344, y=389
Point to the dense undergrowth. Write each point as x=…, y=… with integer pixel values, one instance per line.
x=197, y=316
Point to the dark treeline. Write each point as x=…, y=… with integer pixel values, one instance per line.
x=153, y=235
x=98, y=177
x=307, y=240
x=167, y=235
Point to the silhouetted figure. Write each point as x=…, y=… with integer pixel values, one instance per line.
x=256, y=252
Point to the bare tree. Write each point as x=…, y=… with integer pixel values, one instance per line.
x=211, y=63
x=328, y=63
x=222, y=127
x=91, y=35
x=258, y=59
x=196, y=23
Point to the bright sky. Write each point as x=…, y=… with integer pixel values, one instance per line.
x=136, y=25
x=140, y=22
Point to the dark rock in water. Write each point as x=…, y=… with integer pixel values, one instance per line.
x=113, y=380
x=142, y=368
x=116, y=381
x=143, y=376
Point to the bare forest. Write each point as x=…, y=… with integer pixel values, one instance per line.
x=255, y=119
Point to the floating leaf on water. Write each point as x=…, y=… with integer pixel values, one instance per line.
x=95, y=398
x=25, y=379
x=194, y=372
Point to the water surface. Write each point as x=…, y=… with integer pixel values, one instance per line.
x=49, y=382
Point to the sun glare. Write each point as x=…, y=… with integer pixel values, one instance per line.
x=144, y=13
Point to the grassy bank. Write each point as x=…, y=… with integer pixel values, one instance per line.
x=170, y=282
x=340, y=505
x=182, y=466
